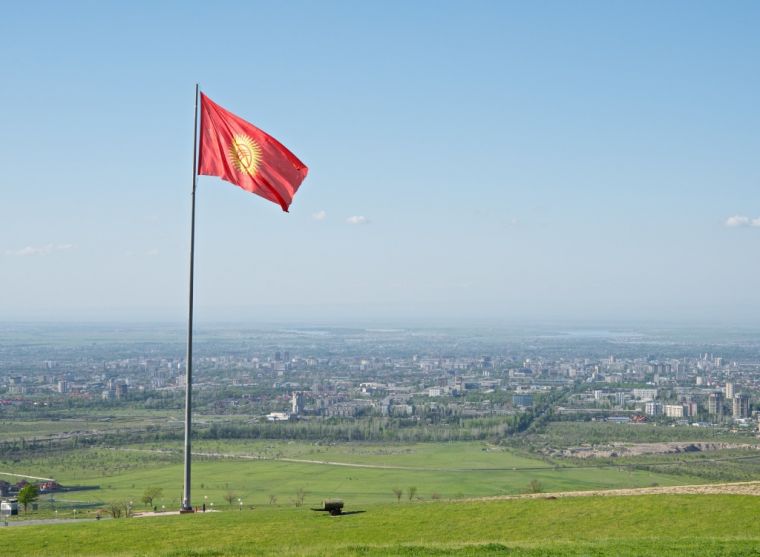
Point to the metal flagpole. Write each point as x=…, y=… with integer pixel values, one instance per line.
x=186, y=504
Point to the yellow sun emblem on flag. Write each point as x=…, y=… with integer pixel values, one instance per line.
x=245, y=154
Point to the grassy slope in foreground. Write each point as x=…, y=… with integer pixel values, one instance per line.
x=639, y=525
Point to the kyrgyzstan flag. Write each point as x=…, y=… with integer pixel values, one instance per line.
x=242, y=154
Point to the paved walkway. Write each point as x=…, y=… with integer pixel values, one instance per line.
x=38, y=522
x=41, y=521
x=166, y=513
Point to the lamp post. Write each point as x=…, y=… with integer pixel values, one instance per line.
x=240, y=502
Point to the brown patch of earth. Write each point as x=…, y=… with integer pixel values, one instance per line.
x=735, y=488
x=613, y=450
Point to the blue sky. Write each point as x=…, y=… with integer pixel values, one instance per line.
x=509, y=161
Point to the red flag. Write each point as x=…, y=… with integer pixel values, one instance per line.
x=242, y=154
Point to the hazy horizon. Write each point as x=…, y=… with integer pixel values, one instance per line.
x=241, y=318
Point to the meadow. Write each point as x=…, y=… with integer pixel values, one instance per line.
x=77, y=423
x=703, y=525
x=257, y=471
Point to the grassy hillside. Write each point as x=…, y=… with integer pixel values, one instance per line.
x=627, y=526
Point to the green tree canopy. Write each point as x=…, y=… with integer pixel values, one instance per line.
x=151, y=494
x=28, y=494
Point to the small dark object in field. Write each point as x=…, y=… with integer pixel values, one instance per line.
x=332, y=506
x=550, y=497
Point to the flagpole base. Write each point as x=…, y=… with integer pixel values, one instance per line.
x=186, y=510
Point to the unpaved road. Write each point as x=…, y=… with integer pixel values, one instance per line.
x=735, y=488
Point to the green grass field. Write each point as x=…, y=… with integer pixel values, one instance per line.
x=11, y=430
x=66, y=421
x=595, y=526
x=446, y=471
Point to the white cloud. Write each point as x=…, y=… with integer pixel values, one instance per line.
x=740, y=220
x=152, y=252
x=47, y=249
x=319, y=215
x=737, y=220
x=31, y=250
x=356, y=219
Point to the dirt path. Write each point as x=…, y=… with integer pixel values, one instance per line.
x=241, y=456
x=736, y=488
x=25, y=476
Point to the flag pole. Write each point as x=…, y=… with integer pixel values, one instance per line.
x=186, y=502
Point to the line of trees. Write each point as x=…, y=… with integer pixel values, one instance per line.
x=374, y=429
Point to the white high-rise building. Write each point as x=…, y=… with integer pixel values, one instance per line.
x=674, y=410
x=741, y=406
x=729, y=391
x=653, y=409
x=645, y=394
x=296, y=403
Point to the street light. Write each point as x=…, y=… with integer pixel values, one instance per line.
x=240, y=502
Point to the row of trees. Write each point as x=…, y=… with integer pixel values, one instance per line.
x=411, y=430
x=430, y=427
x=375, y=429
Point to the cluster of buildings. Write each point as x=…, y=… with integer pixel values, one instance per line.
x=690, y=390
x=286, y=384
x=9, y=493
x=70, y=384
x=8, y=489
